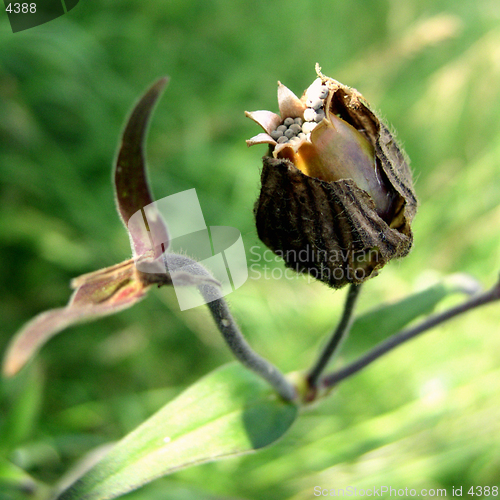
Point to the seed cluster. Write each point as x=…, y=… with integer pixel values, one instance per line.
x=293, y=129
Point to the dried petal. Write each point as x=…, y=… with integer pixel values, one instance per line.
x=261, y=138
x=266, y=119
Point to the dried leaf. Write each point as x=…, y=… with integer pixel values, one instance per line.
x=131, y=184
x=97, y=294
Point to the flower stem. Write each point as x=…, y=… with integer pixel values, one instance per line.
x=191, y=272
x=339, y=335
x=244, y=353
x=487, y=297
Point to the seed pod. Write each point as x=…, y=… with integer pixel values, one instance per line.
x=339, y=203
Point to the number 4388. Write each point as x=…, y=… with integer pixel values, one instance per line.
x=24, y=8
x=483, y=490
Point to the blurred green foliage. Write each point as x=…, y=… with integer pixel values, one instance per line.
x=425, y=416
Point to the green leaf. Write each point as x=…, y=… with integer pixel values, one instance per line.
x=388, y=319
x=229, y=412
x=16, y=484
x=23, y=397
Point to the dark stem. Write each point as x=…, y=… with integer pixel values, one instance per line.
x=399, y=338
x=244, y=353
x=182, y=265
x=339, y=335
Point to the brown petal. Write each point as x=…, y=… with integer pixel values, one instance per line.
x=131, y=184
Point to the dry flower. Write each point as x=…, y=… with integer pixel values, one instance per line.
x=337, y=196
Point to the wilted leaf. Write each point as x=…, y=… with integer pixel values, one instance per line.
x=229, y=412
x=131, y=184
x=101, y=293
x=118, y=287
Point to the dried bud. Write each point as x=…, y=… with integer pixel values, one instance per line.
x=337, y=196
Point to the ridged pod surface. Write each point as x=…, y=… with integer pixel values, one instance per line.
x=338, y=201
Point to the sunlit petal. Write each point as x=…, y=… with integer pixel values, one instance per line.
x=266, y=119
x=261, y=139
x=289, y=103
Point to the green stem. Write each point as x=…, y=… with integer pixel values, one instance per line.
x=339, y=335
x=227, y=325
x=334, y=378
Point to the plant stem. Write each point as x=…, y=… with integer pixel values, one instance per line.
x=487, y=297
x=244, y=353
x=338, y=336
x=227, y=325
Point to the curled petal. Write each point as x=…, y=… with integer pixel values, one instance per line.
x=266, y=119
x=261, y=139
x=288, y=150
x=289, y=103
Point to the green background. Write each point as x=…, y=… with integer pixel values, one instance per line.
x=427, y=415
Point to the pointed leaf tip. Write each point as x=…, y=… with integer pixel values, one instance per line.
x=130, y=176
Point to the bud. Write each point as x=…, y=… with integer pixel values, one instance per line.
x=337, y=196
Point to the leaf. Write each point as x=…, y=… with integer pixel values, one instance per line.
x=118, y=287
x=229, y=412
x=130, y=178
x=97, y=294
x=16, y=483
x=23, y=396
x=388, y=319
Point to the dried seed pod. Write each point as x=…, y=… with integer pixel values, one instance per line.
x=339, y=203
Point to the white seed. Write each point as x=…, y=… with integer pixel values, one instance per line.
x=276, y=134
x=314, y=103
x=323, y=92
x=288, y=121
x=302, y=135
x=296, y=128
x=282, y=128
x=308, y=127
x=282, y=139
x=298, y=120
x=309, y=115
x=289, y=133
x=320, y=114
